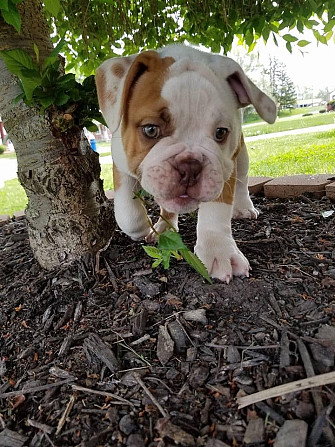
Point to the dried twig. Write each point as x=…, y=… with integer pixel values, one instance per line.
x=121, y=400
x=243, y=347
x=37, y=388
x=112, y=277
x=152, y=397
x=298, y=385
x=67, y=410
x=43, y=427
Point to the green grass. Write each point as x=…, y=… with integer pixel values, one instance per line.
x=12, y=197
x=8, y=155
x=107, y=176
x=300, y=111
x=298, y=154
x=255, y=118
x=282, y=124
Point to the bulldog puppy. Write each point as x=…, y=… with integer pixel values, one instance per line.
x=176, y=124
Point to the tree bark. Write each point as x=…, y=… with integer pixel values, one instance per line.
x=68, y=213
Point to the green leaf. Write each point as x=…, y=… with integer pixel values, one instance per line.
x=329, y=26
x=156, y=263
x=300, y=26
x=275, y=39
x=195, y=262
x=29, y=85
x=61, y=99
x=273, y=27
x=303, y=43
x=58, y=47
x=170, y=240
x=153, y=252
x=18, y=98
x=4, y=4
x=319, y=37
x=52, y=6
x=90, y=126
x=289, y=38
x=166, y=256
x=289, y=46
x=48, y=61
x=17, y=60
x=310, y=23
x=46, y=102
x=37, y=52
x=329, y=35
x=12, y=16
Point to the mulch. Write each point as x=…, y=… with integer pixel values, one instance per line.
x=115, y=353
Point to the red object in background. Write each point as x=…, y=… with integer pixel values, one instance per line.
x=2, y=133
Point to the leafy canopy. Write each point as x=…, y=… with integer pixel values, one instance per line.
x=98, y=29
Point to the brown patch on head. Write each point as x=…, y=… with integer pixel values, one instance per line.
x=116, y=178
x=110, y=98
x=142, y=103
x=100, y=81
x=228, y=192
x=118, y=70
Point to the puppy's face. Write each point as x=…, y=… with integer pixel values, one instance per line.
x=180, y=132
x=180, y=121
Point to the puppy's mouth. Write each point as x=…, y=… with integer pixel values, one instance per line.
x=180, y=204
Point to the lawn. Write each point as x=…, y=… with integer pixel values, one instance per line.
x=12, y=197
x=312, y=153
x=297, y=154
x=291, y=123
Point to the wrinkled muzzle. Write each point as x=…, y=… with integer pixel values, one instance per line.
x=180, y=182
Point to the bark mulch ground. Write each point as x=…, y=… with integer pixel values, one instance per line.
x=130, y=356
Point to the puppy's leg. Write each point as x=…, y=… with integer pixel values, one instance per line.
x=243, y=206
x=162, y=224
x=130, y=213
x=215, y=244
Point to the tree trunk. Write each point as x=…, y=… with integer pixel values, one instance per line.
x=68, y=214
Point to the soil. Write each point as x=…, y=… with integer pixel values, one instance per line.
x=115, y=353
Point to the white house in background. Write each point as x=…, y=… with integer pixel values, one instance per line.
x=332, y=96
x=309, y=102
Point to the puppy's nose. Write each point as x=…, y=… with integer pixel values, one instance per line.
x=189, y=170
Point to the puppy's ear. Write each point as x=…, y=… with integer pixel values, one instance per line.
x=116, y=77
x=245, y=90
x=110, y=78
x=247, y=93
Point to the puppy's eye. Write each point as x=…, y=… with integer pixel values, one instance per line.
x=220, y=134
x=151, y=131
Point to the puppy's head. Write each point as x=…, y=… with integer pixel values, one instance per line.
x=179, y=119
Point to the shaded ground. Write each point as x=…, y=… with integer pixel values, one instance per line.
x=134, y=357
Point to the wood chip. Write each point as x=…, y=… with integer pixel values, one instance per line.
x=198, y=315
x=255, y=432
x=100, y=350
x=165, y=345
x=167, y=429
x=292, y=433
x=9, y=438
x=216, y=443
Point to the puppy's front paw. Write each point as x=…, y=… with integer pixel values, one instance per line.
x=222, y=257
x=244, y=209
